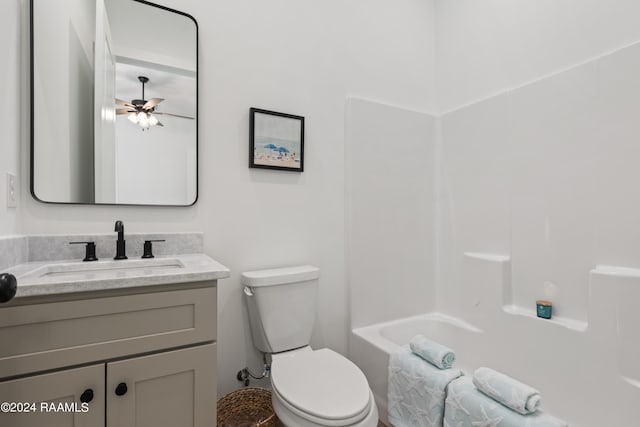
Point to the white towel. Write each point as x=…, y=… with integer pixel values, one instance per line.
x=417, y=390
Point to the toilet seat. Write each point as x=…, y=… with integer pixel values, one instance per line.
x=280, y=404
x=321, y=386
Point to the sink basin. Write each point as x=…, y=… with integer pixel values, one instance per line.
x=102, y=268
x=61, y=278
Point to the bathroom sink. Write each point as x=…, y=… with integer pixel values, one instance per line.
x=98, y=269
x=60, y=278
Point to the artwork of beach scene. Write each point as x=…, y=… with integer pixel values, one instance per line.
x=277, y=141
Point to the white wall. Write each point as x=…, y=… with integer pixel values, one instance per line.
x=485, y=47
x=153, y=166
x=156, y=166
x=526, y=171
x=300, y=57
x=54, y=179
x=10, y=106
x=391, y=212
x=545, y=173
x=63, y=111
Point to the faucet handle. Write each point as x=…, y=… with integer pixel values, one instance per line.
x=90, y=250
x=148, y=250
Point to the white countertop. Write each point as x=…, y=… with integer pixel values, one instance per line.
x=58, y=277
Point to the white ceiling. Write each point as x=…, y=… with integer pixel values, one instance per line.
x=152, y=34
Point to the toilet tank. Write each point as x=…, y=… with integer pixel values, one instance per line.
x=282, y=306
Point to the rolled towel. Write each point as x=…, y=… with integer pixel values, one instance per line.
x=437, y=354
x=467, y=406
x=513, y=394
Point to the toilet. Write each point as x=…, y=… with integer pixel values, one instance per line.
x=311, y=388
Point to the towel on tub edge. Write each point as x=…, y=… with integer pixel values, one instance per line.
x=435, y=353
x=417, y=390
x=467, y=406
x=512, y=393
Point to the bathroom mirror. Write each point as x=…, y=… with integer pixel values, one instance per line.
x=114, y=103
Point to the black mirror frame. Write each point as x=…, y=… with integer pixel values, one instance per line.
x=32, y=119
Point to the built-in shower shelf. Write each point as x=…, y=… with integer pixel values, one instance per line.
x=573, y=324
x=483, y=256
x=610, y=270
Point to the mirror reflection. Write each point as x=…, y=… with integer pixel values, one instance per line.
x=114, y=99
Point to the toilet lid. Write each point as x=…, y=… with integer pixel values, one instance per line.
x=321, y=383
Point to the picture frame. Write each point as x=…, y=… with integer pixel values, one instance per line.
x=276, y=140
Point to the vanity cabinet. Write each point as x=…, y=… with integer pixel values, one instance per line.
x=147, y=359
x=59, y=387
x=169, y=389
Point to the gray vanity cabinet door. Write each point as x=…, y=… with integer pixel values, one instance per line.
x=54, y=389
x=175, y=388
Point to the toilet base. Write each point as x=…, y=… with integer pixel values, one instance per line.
x=289, y=419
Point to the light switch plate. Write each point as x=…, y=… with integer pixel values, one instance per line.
x=12, y=191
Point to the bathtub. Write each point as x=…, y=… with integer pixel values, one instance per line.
x=579, y=372
x=371, y=346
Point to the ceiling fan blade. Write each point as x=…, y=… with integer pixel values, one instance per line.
x=124, y=111
x=122, y=103
x=175, y=115
x=152, y=103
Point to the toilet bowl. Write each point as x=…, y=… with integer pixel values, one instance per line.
x=320, y=388
x=311, y=388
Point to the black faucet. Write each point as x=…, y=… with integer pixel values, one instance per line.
x=120, y=244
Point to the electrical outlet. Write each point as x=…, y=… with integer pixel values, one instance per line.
x=12, y=191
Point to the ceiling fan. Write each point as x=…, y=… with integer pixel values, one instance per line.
x=143, y=112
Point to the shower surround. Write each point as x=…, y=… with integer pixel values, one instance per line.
x=529, y=194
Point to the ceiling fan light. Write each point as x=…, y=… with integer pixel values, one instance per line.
x=133, y=118
x=153, y=120
x=142, y=116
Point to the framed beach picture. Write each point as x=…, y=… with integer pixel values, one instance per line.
x=276, y=140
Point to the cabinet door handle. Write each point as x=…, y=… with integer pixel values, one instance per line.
x=86, y=396
x=121, y=389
